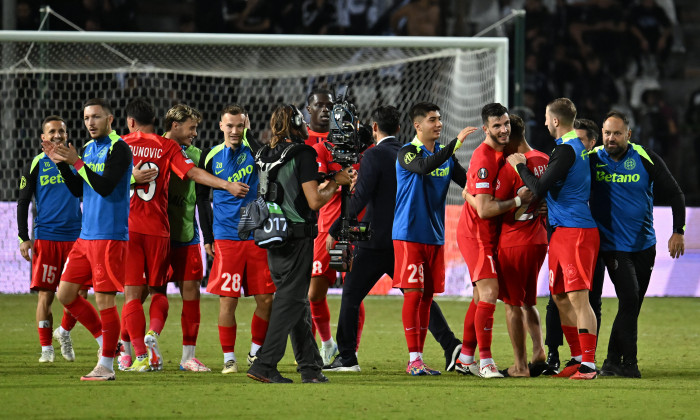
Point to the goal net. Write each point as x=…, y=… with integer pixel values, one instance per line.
x=45, y=73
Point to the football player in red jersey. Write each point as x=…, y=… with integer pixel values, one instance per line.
x=477, y=238
x=522, y=246
x=149, y=232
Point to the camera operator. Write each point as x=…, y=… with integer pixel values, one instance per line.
x=376, y=191
x=290, y=264
x=322, y=275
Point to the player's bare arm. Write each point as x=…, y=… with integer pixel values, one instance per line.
x=143, y=176
x=487, y=206
x=200, y=176
x=317, y=196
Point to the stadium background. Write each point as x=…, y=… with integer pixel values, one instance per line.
x=665, y=93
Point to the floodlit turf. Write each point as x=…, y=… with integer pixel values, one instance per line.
x=669, y=363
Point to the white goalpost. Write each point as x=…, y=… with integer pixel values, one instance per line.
x=49, y=72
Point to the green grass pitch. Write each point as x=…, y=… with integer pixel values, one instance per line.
x=668, y=358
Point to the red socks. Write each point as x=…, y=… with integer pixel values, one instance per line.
x=190, y=322
x=45, y=336
x=86, y=314
x=469, y=334
x=258, y=329
x=158, y=312
x=572, y=338
x=360, y=324
x=227, y=337
x=587, y=342
x=110, y=330
x=483, y=325
x=125, y=331
x=411, y=320
x=135, y=322
x=68, y=321
x=424, y=313
x=321, y=315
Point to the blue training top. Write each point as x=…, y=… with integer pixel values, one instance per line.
x=622, y=200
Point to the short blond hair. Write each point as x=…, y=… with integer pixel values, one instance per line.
x=564, y=110
x=181, y=113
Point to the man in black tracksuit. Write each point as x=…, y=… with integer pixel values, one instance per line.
x=376, y=189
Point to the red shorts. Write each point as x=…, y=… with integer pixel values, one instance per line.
x=148, y=258
x=480, y=258
x=186, y=263
x=99, y=259
x=518, y=268
x=322, y=258
x=48, y=259
x=239, y=264
x=419, y=266
x=572, y=256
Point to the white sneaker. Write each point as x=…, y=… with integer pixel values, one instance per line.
x=328, y=353
x=155, y=359
x=194, y=365
x=230, y=367
x=250, y=359
x=490, y=371
x=46, y=356
x=66, y=345
x=467, y=369
x=100, y=373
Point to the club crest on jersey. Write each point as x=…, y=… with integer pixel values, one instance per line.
x=408, y=158
x=241, y=159
x=22, y=183
x=483, y=173
x=630, y=164
x=102, y=153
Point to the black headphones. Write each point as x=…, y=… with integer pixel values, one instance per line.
x=297, y=119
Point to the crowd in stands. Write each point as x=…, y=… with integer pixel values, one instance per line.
x=602, y=54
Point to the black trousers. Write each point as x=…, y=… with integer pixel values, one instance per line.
x=555, y=336
x=290, y=266
x=630, y=272
x=368, y=267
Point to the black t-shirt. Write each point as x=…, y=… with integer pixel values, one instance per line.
x=300, y=169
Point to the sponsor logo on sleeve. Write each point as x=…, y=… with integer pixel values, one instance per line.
x=483, y=185
x=22, y=183
x=482, y=173
x=408, y=158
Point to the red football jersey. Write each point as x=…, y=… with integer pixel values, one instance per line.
x=148, y=213
x=520, y=226
x=481, y=179
x=315, y=137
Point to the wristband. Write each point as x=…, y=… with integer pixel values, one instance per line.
x=679, y=230
x=518, y=201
